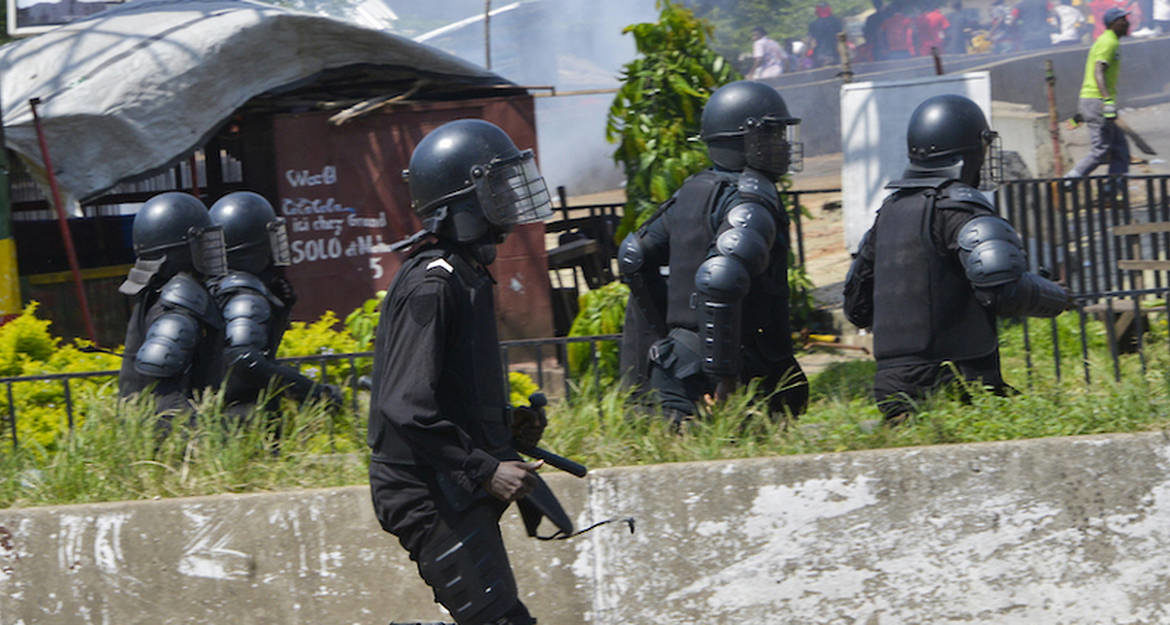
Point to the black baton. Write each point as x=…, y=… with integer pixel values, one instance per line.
x=558, y=461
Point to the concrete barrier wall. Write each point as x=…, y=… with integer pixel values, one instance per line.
x=1047, y=531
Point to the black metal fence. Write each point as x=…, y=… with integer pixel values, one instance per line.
x=346, y=369
x=1108, y=241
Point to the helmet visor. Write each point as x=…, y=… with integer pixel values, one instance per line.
x=513, y=191
x=208, y=252
x=772, y=145
x=991, y=173
x=278, y=242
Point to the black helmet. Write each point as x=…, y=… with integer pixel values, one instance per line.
x=175, y=227
x=255, y=237
x=467, y=180
x=747, y=124
x=950, y=132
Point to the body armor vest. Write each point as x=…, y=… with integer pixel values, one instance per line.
x=925, y=310
x=470, y=390
x=691, y=226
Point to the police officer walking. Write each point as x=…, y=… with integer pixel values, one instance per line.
x=720, y=316
x=174, y=340
x=256, y=300
x=443, y=466
x=939, y=265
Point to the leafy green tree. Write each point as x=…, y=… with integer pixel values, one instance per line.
x=654, y=117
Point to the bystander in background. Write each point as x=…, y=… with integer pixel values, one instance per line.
x=1098, y=102
x=823, y=31
x=768, y=58
x=963, y=23
x=1070, y=24
x=898, y=32
x=929, y=28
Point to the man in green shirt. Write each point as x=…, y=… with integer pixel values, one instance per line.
x=1098, y=103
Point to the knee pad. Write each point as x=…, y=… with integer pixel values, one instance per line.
x=467, y=568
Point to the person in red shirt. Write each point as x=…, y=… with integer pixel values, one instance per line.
x=929, y=29
x=898, y=31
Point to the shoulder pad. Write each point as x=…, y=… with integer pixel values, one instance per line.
x=184, y=291
x=753, y=186
x=236, y=280
x=957, y=194
x=631, y=257
x=169, y=344
x=987, y=228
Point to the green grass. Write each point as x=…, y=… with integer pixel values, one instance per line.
x=116, y=454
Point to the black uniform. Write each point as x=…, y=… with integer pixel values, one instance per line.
x=439, y=427
x=682, y=235
x=174, y=343
x=909, y=285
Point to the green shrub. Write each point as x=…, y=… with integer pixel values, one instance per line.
x=602, y=311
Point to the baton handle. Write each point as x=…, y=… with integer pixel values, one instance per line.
x=555, y=460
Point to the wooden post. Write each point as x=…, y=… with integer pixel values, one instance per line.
x=846, y=72
x=1053, y=120
x=63, y=223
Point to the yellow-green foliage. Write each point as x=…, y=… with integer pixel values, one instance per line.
x=363, y=321
x=323, y=336
x=521, y=387
x=27, y=348
x=602, y=311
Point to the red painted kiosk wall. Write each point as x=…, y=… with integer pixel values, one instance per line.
x=341, y=190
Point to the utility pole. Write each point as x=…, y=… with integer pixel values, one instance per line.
x=487, y=33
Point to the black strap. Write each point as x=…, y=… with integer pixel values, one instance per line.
x=561, y=535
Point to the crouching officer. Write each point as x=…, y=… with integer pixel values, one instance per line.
x=443, y=468
x=721, y=315
x=939, y=265
x=256, y=300
x=174, y=341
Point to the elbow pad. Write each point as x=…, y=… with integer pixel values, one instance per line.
x=991, y=252
x=631, y=256
x=169, y=346
x=721, y=281
x=246, y=315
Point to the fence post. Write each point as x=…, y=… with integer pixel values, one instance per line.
x=68, y=403
x=12, y=408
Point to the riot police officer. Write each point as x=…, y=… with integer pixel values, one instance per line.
x=443, y=468
x=256, y=300
x=938, y=264
x=174, y=340
x=720, y=316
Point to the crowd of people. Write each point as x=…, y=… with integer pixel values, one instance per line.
x=902, y=29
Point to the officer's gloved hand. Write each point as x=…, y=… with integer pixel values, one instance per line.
x=331, y=393
x=1109, y=108
x=529, y=422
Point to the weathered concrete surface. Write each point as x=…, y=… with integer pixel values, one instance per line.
x=1053, y=531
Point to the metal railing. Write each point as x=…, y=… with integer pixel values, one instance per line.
x=1068, y=231
x=344, y=364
